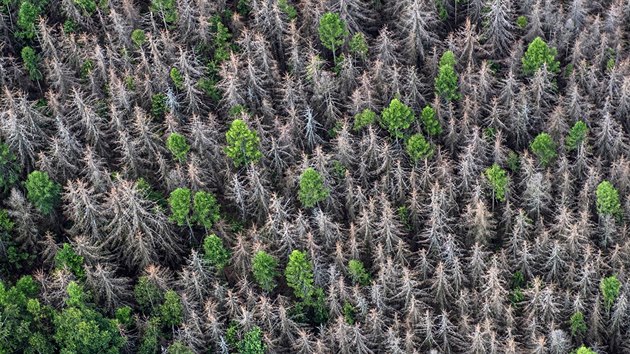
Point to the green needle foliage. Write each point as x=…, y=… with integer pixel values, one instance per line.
x=9, y=168
x=264, y=268
x=544, y=147
x=179, y=201
x=431, y=123
x=610, y=288
x=88, y=7
x=418, y=147
x=243, y=144
x=446, y=80
x=31, y=63
x=498, y=179
x=577, y=134
x=358, y=273
x=521, y=22
x=332, y=32
x=608, y=199
x=359, y=46
x=252, y=342
x=43, y=192
x=177, y=78
x=178, y=146
x=312, y=189
x=147, y=294
x=27, y=19
x=539, y=53
x=585, y=350
x=288, y=9
x=178, y=348
x=171, y=311
x=397, y=118
x=578, y=325
x=67, y=258
x=165, y=9
x=158, y=106
x=138, y=37
x=299, y=275
x=216, y=254
x=206, y=210
x=363, y=119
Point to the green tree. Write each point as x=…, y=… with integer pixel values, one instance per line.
x=177, y=78
x=67, y=257
x=178, y=347
x=27, y=20
x=430, y=121
x=446, y=79
x=178, y=146
x=243, y=144
x=288, y=9
x=610, y=288
x=138, y=37
x=498, y=179
x=332, y=32
x=9, y=168
x=158, y=106
x=397, y=117
x=87, y=6
x=215, y=252
x=206, y=210
x=299, y=275
x=577, y=134
x=578, y=325
x=418, y=147
x=252, y=342
x=82, y=330
x=585, y=350
x=544, y=147
x=147, y=294
x=172, y=310
x=167, y=9
x=608, y=199
x=358, y=273
x=31, y=63
x=537, y=54
x=179, y=201
x=348, y=312
x=312, y=189
x=43, y=192
x=151, y=338
x=521, y=22
x=358, y=45
x=363, y=119
x=265, y=270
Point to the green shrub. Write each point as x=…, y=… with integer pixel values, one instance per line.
x=357, y=271
x=312, y=189
x=243, y=144
x=43, y=192
x=397, y=118
x=431, y=123
x=539, y=53
x=216, y=254
x=177, y=78
x=138, y=37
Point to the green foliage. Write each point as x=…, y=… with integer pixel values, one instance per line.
x=151, y=337
x=87, y=6
x=31, y=63
x=332, y=32
x=179, y=201
x=431, y=123
x=358, y=274
x=86, y=68
x=81, y=329
x=363, y=119
x=177, y=78
x=578, y=325
x=513, y=161
x=243, y=7
x=221, y=41
x=288, y=9
x=299, y=275
x=167, y=9
x=577, y=134
x=178, y=146
x=28, y=17
x=348, y=313
x=397, y=117
x=498, y=179
x=66, y=257
x=138, y=37
x=521, y=22
x=171, y=311
x=610, y=288
x=252, y=342
x=608, y=199
x=231, y=334
x=237, y=110
x=147, y=294
x=243, y=144
x=312, y=189
x=215, y=252
x=442, y=12
x=544, y=147
x=338, y=169
x=9, y=168
x=265, y=270
x=206, y=211
x=418, y=147
x=69, y=26
x=178, y=348
x=124, y=316
x=585, y=350
x=43, y=192
x=539, y=53
x=158, y=106
x=358, y=45
x=446, y=79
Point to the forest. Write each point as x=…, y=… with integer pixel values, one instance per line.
x=314, y=176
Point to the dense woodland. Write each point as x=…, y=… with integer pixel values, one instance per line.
x=314, y=176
